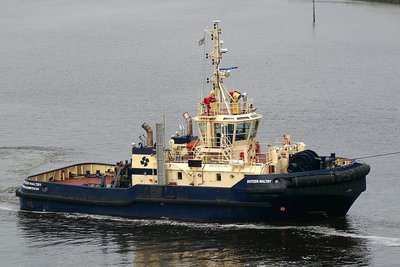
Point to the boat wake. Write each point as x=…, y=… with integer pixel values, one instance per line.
x=380, y=240
x=8, y=190
x=33, y=157
x=9, y=207
x=7, y=196
x=319, y=230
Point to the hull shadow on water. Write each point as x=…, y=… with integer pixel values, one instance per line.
x=165, y=242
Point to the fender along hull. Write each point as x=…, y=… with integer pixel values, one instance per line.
x=257, y=198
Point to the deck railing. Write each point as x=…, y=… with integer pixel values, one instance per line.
x=232, y=108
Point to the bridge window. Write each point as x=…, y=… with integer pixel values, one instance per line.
x=217, y=134
x=229, y=132
x=202, y=130
x=224, y=133
x=254, y=127
x=242, y=131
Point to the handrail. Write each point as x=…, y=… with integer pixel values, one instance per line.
x=235, y=108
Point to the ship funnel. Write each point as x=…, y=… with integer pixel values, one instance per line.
x=189, y=122
x=149, y=132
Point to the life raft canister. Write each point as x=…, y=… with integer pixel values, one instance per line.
x=192, y=144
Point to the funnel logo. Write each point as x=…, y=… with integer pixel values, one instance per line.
x=144, y=161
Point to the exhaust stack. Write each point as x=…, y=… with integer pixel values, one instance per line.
x=189, y=123
x=149, y=131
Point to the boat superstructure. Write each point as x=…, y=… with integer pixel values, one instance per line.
x=222, y=173
x=226, y=147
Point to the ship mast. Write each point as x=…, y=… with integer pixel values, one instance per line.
x=218, y=91
x=227, y=122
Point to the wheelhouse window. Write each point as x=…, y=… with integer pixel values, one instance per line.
x=242, y=131
x=254, y=127
x=202, y=129
x=230, y=130
x=217, y=128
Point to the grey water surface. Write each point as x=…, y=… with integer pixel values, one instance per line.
x=78, y=78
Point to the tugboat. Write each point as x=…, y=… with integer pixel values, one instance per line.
x=222, y=174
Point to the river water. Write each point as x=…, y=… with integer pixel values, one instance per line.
x=78, y=78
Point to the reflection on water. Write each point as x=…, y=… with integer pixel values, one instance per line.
x=163, y=242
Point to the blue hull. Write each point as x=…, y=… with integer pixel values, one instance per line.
x=317, y=194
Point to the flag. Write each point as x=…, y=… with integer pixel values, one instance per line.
x=201, y=41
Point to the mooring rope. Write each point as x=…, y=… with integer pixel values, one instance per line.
x=378, y=155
